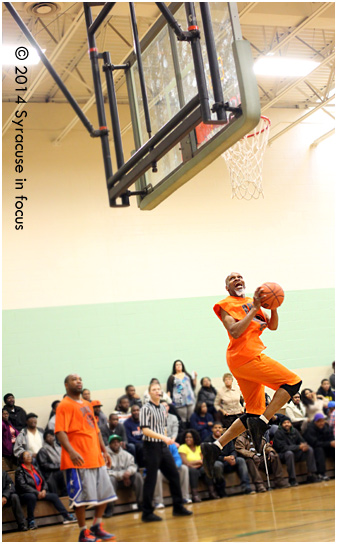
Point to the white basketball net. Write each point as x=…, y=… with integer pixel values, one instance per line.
x=245, y=160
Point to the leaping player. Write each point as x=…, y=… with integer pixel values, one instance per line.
x=245, y=321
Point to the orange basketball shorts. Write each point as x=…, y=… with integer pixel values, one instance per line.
x=253, y=376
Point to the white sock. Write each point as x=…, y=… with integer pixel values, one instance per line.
x=97, y=521
x=264, y=419
x=82, y=528
x=217, y=443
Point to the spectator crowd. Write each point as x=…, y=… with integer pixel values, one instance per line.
x=305, y=432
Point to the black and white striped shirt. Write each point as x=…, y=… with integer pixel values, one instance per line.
x=155, y=418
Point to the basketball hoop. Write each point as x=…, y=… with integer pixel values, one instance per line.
x=245, y=159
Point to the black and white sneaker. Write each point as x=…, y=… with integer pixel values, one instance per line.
x=323, y=477
x=257, y=428
x=210, y=454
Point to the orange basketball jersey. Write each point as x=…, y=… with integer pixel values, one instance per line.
x=78, y=421
x=248, y=345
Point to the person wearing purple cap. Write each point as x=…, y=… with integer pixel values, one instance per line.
x=291, y=447
x=321, y=438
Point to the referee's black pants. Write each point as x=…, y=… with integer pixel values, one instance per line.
x=157, y=456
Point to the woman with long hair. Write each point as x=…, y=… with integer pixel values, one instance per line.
x=314, y=404
x=180, y=387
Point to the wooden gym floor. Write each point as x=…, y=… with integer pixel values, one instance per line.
x=302, y=514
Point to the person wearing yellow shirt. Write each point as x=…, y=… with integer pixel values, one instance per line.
x=190, y=453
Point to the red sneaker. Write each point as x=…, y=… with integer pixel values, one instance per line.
x=87, y=536
x=98, y=531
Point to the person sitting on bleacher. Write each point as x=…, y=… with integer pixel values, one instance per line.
x=314, y=404
x=172, y=422
x=123, y=409
x=32, y=487
x=320, y=436
x=30, y=438
x=130, y=393
x=52, y=416
x=255, y=463
x=9, y=434
x=296, y=412
x=123, y=472
x=331, y=416
x=134, y=435
x=291, y=447
x=325, y=390
x=86, y=395
x=49, y=460
x=227, y=462
x=114, y=427
x=10, y=499
x=202, y=421
x=332, y=376
x=101, y=418
x=17, y=415
x=207, y=393
x=190, y=453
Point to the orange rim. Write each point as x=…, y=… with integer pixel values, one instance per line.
x=263, y=129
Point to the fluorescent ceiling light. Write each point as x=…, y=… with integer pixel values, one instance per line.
x=283, y=66
x=19, y=55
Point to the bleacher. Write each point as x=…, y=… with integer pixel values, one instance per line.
x=45, y=513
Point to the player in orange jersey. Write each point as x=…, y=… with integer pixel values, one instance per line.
x=84, y=458
x=245, y=321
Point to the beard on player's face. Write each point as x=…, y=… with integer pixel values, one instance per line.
x=235, y=285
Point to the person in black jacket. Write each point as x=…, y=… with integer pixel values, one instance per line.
x=291, y=447
x=17, y=415
x=325, y=390
x=207, y=393
x=320, y=436
x=11, y=500
x=32, y=487
x=49, y=460
x=228, y=461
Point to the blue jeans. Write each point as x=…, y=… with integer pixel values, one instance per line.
x=223, y=467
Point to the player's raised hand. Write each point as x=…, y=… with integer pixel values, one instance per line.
x=258, y=298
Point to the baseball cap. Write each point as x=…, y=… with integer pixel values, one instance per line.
x=331, y=404
x=319, y=416
x=115, y=437
x=96, y=403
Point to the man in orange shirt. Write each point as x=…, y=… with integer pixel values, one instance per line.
x=245, y=321
x=84, y=458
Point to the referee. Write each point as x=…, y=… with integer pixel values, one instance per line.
x=157, y=456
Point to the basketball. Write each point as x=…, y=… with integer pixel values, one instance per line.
x=274, y=295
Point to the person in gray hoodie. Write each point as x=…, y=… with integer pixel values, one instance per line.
x=123, y=472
